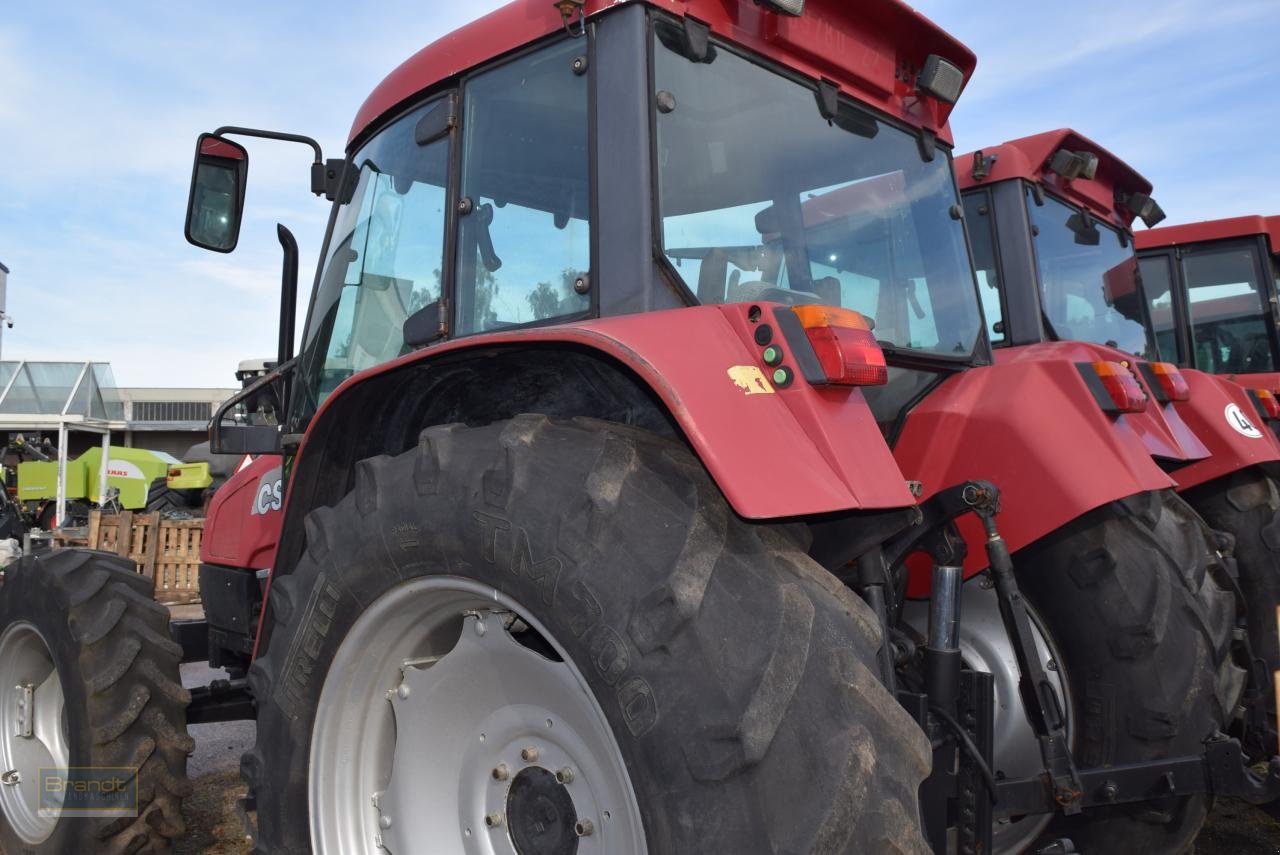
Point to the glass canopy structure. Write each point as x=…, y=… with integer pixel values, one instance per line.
x=45, y=395
x=62, y=397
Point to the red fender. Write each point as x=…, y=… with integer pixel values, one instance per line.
x=1234, y=444
x=773, y=451
x=1030, y=425
x=242, y=526
x=1269, y=380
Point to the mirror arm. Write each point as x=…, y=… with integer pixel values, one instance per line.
x=288, y=295
x=318, y=171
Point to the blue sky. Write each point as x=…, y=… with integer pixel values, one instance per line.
x=100, y=105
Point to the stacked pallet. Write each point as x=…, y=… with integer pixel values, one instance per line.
x=165, y=550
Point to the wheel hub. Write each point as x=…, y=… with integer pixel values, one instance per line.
x=541, y=814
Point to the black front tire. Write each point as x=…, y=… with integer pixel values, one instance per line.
x=125, y=705
x=1134, y=596
x=763, y=726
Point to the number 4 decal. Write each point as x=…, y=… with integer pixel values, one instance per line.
x=1240, y=422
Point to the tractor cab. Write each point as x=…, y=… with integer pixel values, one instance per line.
x=1056, y=209
x=562, y=184
x=1211, y=288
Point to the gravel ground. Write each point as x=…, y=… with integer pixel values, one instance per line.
x=1234, y=828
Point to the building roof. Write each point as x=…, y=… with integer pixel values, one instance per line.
x=42, y=395
x=3, y=269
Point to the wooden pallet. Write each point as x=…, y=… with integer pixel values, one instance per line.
x=167, y=551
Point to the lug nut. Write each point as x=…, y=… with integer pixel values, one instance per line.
x=493, y=820
x=565, y=775
x=500, y=772
x=584, y=828
x=529, y=755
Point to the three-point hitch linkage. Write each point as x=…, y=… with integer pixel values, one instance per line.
x=955, y=704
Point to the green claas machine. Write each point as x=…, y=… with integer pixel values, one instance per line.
x=141, y=479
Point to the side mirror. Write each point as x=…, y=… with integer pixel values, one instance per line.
x=217, y=193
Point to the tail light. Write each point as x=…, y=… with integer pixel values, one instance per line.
x=842, y=341
x=1266, y=402
x=1166, y=381
x=1114, y=387
x=175, y=473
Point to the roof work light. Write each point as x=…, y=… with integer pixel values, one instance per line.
x=1074, y=164
x=794, y=8
x=1144, y=207
x=940, y=78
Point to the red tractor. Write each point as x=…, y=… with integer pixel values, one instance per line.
x=1049, y=219
x=1212, y=292
x=589, y=535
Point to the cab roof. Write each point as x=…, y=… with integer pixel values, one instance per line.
x=1206, y=230
x=872, y=49
x=1028, y=159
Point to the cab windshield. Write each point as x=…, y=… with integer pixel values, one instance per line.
x=1088, y=278
x=761, y=198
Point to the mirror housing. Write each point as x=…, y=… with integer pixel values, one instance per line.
x=216, y=199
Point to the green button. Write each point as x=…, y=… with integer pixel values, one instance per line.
x=782, y=377
x=772, y=355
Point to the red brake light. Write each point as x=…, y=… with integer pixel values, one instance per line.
x=844, y=345
x=1166, y=382
x=175, y=473
x=1120, y=392
x=1268, y=403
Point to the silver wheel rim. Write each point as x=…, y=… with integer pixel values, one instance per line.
x=34, y=731
x=436, y=728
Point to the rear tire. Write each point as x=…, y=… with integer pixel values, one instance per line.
x=1246, y=505
x=1130, y=594
x=123, y=701
x=737, y=677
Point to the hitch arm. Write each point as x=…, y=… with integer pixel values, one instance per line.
x=1222, y=770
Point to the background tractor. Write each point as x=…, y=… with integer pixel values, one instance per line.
x=1049, y=218
x=1212, y=292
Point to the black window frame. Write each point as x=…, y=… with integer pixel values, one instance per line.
x=904, y=357
x=988, y=201
x=1181, y=326
x=1266, y=290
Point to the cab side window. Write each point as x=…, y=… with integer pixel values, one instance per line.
x=524, y=235
x=1229, y=311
